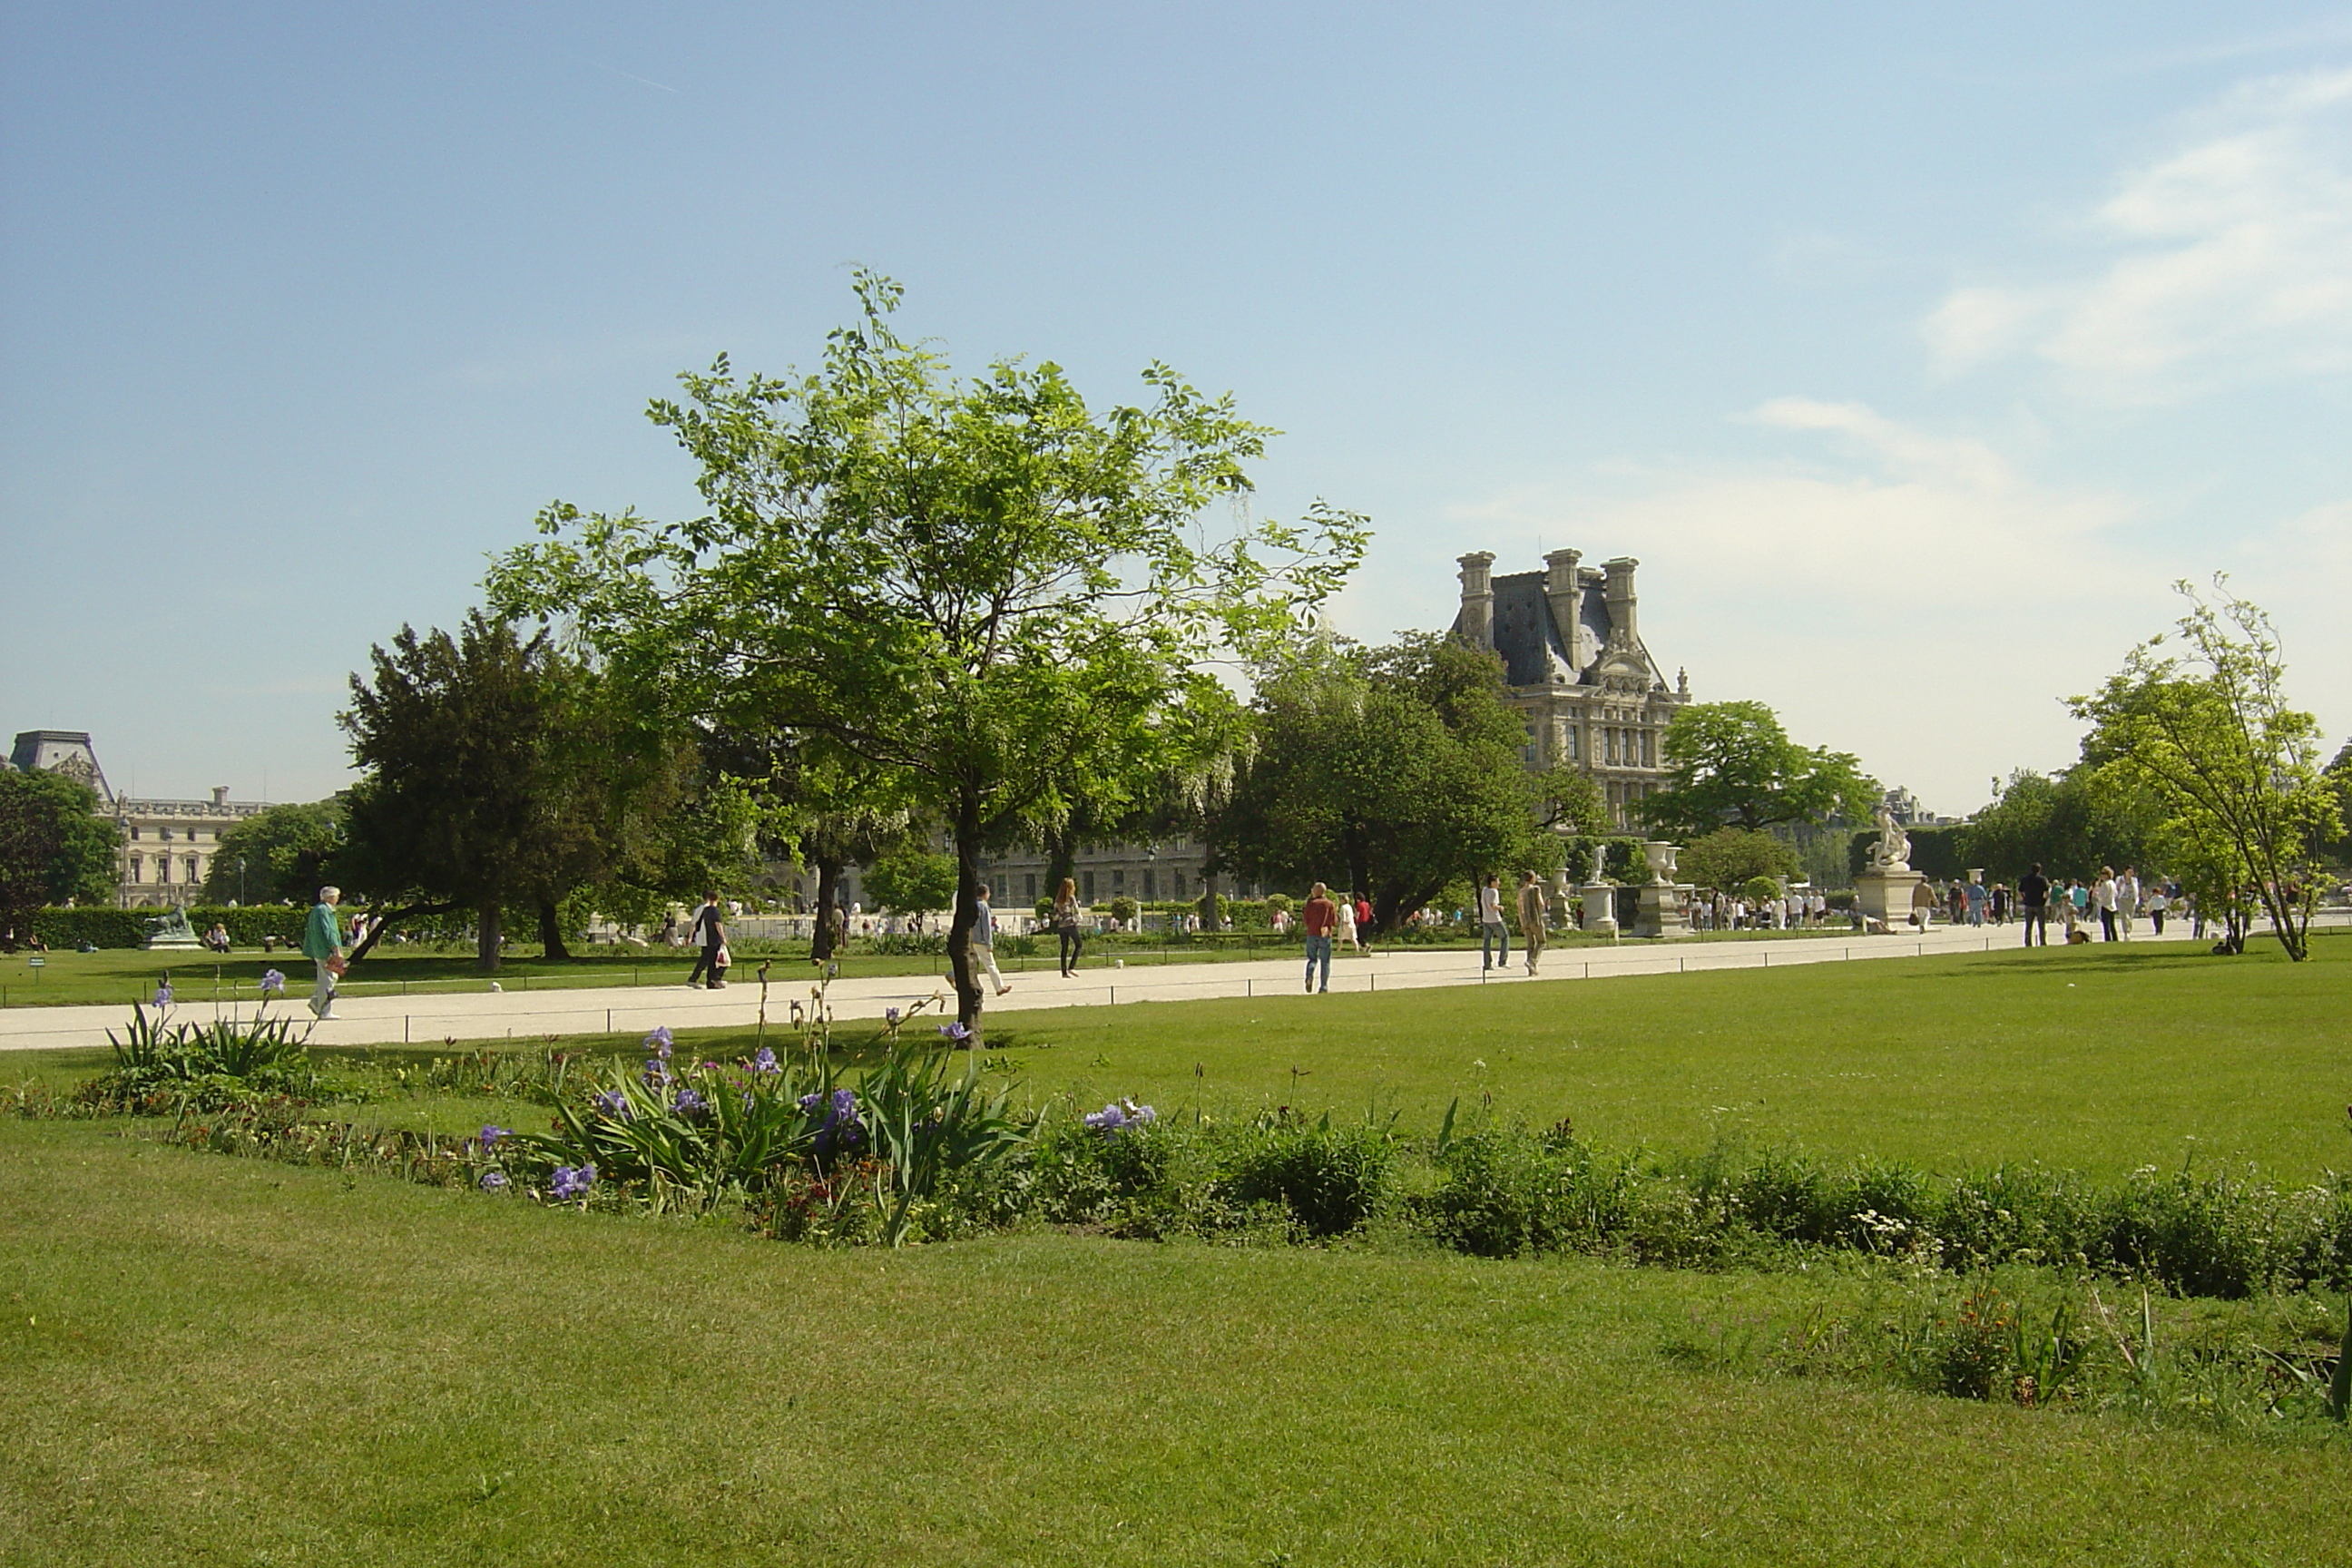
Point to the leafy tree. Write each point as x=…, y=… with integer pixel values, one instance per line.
x=2339, y=776
x=2207, y=741
x=1732, y=763
x=1393, y=771
x=910, y=880
x=277, y=856
x=54, y=848
x=985, y=597
x=478, y=791
x=2061, y=823
x=1731, y=857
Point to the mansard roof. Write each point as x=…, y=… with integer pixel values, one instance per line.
x=1536, y=650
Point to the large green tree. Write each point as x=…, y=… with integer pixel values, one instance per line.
x=2205, y=740
x=983, y=595
x=1393, y=771
x=1732, y=763
x=275, y=856
x=54, y=848
x=1730, y=858
x=2060, y=823
x=491, y=778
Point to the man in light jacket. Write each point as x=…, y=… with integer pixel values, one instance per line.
x=1493, y=933
x=322, y=943
x=1533, y=912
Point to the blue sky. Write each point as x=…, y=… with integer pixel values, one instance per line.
x=1915, y=353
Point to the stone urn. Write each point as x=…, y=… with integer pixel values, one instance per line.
x=1660, y=857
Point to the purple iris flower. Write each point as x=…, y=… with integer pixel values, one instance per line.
x=655, y=1074
x=614, y=1103
x=765, y=1060
x=809, y=1101
x=163, y=994
x=491, y=1134
x=659, y=1042
x=494, y=1182
x=689, y=1103
x=272, y=983
x=957, y=1032
x=890, y=1015
x=1119, y=1116
x=844, y=1129
x=571, y=1182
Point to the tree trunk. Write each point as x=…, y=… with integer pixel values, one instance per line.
x=829, y=895
x=486, y=930
x=551, y=932
x=969, y=998
x=379, y=925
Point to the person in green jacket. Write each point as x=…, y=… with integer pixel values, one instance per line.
x=322, y=943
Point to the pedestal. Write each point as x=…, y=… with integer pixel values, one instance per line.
x=1661, y=911
x=1884, y=894
x=1600, y=907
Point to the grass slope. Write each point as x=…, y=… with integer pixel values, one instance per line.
x=219, y=1361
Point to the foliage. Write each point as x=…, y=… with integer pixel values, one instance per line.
x=1940, y=852
x=501, y=773
x=162, y=1067
x=121, y=928
x=1392, y=771
x=2206, y=744
x=909, y=879
x=54, y=849
x=1730, y=856
x=1732, y=763
x=280, y=855
x=2061, y=823
x=984, y=597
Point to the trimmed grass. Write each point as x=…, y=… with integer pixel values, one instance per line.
x=2100, y=1059
x=122, y=976
x=215, y=1360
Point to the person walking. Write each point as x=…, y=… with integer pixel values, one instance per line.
x=2033, y=903
x=1363, y=921
x=2158, y=900
x=983, y=945
x=1066, y=926
x=1534, y=912
x=2102, y=894
x=1493, y=936
x=1321, y=919
x=1344, y=935
x=708, y=933
x=2127, y=896
x=322, y=943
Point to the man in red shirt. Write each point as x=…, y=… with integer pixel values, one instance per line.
x=1320, y=918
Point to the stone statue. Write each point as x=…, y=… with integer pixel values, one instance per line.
x=172, y=931
x=1600, y=864
x=1893, y=850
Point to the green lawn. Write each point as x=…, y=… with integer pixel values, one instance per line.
x=223, y=1360
x=124, y=975
x=2099, y=1059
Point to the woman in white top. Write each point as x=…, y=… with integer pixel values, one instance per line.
x=1347, y=932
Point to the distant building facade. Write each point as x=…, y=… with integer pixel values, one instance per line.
x=1579, y=675
x=167, y=845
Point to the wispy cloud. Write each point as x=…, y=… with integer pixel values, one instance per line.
x=2230, y=259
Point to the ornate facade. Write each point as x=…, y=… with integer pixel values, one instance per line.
x=167, y=845
x=1570, y=641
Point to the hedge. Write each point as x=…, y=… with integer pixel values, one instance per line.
x=70, y=927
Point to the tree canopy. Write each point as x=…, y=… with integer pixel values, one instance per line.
x=1392, y=773
x=1730, y=858
x=2204, y=741
x=2059, y=823
x=984, y=597
x=278, y=855
x=54, y=848
x=1732, y=763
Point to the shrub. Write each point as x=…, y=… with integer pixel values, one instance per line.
x=113, y=927
x=1506, y=1193
x=1330, y=1179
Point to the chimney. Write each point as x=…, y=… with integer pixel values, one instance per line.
x=1478, y=598
x=1566, y=592
x=220, y=797
x=1624, y=629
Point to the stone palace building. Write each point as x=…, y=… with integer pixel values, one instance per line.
x=167, y=845
x=1580, y=674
